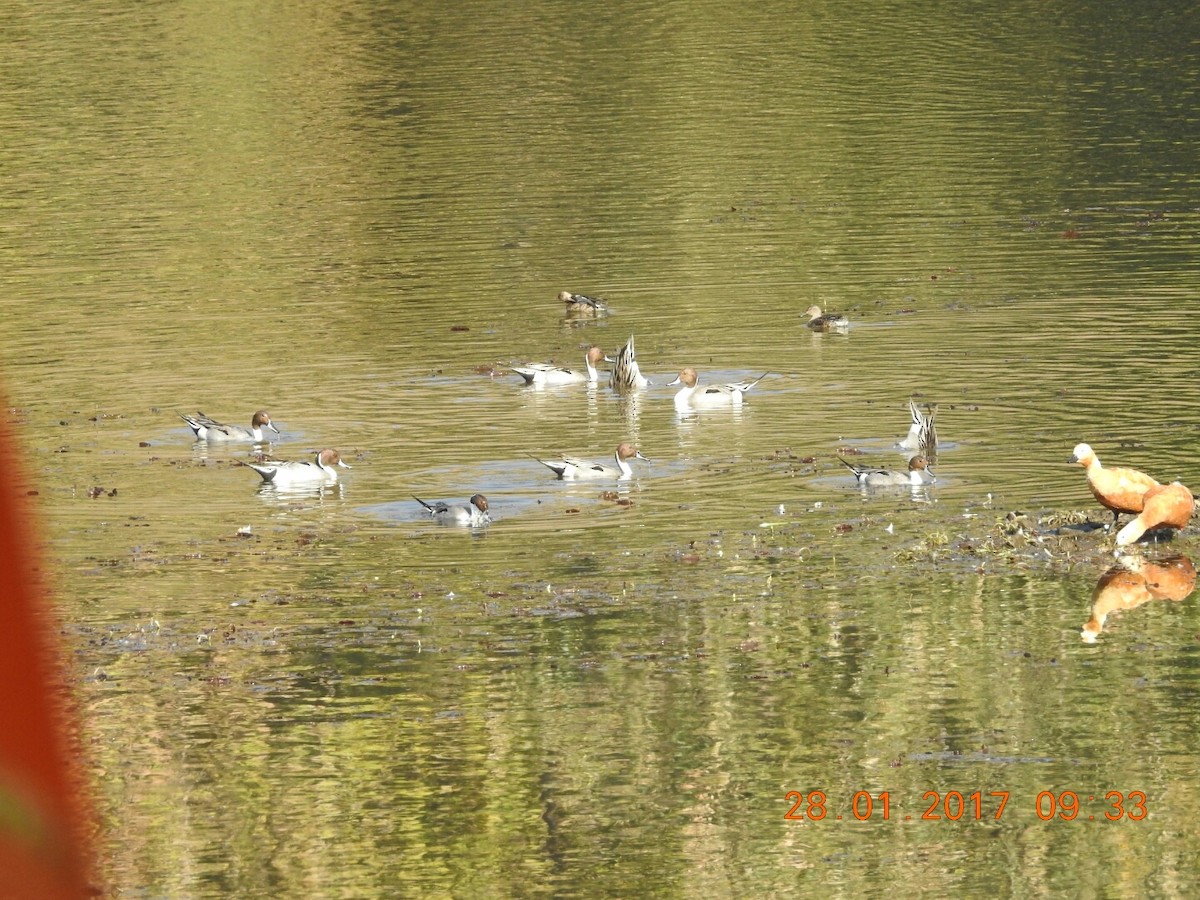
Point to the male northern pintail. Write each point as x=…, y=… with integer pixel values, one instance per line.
x=1121, y=490
x=702, y=396
x=827, y=322
x=922, y=435
x=626, y=376
x=320, y=471
x=473, y=513
x=545, y=373
x=207, y=429
x=569, y=468
x=579, y=305
x=918, y=474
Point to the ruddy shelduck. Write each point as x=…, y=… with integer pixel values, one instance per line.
x=1165, y=506
x=1121, y=490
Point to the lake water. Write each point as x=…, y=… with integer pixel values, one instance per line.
x=359, y=216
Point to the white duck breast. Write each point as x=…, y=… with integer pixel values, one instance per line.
x=918, y=474
x=546, y=373
x=694, y=395
x=320, y=471
x=568, y=468
x=207, y=429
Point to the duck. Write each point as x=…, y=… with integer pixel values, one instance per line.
x=579, y=305
x=1134, y=581
x=922, y=434
x=918, y=474
x=207, y=429
x=320, y=471
x=626, y=376
x=827, y=322
x=1120, y=490
x=545, y=373
x=473, y=514
x=1165, y=506
x=697, y=396
x=569, y=469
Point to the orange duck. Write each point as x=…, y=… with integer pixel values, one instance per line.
x=1134, y=581
x=1121, y=490
x=1164, y=506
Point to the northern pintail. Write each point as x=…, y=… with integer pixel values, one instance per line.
x=545, y=373
x=827, y=322
x=579, y=305
x=320, y=471
x=702, y=396
x=922, y=435
x=918, y=474
x=472, y=514
x=626, y=376
x=569, y=468
x=1120, y=490
x=1166, y=506
x=207, y=429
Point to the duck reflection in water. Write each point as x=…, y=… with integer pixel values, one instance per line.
x=1134, y=581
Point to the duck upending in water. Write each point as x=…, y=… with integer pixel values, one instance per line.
x=569, y=468
x=579, y=305
x=918, y=474
x=827, y=322
x=471, y=514
x=1120, y=490
x=626, y=376
x=922, y=434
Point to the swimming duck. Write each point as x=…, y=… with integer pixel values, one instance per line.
x=922, y=435
x=568, y=468
x=918, y=474
x=626, y=376
x=1121, y=490
x=1164, y=506
x=826, y=322
x=579, y=305
x=320, y=471
x=474, y=513
x=697, y=396
x=207, y=429
x=545, y=373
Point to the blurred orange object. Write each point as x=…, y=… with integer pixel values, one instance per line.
x=43, y=849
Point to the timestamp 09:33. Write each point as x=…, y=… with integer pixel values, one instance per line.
x=953, y=806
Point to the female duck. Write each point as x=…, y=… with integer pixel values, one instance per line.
x=918, y=474
x=296, y=472
x=545, y=373
x=827, y=322
x=569, y=469
x=579, y=305
x=697, y=396
x=473, y=514
x=207, y=429
x=626, y=376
